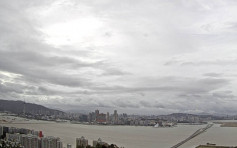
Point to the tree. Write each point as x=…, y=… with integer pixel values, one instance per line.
x=79, y=146
x=88, y=146
x=7, y=144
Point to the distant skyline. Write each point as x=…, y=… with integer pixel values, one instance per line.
x=135, y=56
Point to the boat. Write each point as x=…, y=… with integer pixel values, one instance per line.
x=157, y=125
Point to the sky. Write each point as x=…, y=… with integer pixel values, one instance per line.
x=135, y=56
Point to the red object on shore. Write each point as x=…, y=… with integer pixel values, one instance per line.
x=40, y=134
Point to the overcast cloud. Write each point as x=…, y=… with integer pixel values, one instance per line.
x=136, y=56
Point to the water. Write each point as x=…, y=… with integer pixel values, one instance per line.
x=224, y=136
x=136, y=137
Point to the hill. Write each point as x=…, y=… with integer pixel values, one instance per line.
x=17, y=107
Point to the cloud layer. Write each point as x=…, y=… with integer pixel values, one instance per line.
x=149, y=57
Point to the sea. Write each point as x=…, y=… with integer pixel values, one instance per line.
x=134, y=136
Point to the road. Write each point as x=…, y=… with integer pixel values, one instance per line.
x=198, y=132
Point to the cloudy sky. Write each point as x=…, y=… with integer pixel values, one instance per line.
x=136, y=56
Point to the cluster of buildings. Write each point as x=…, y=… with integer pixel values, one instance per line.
x=187, y=118
x=120, y=119
x=83, y=143
x=26, y=138
x=209, y=145
x=124, y=119
x=101, y=118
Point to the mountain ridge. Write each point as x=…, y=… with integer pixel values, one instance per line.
x=17, y=107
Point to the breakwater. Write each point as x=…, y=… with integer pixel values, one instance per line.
x=198, y=132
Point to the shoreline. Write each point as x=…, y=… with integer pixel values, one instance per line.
x=227, y=124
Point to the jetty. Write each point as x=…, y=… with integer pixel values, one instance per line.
x=198, y=132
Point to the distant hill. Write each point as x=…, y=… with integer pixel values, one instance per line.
x=204, y=115
x=17, y=107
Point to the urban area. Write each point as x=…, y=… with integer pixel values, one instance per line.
x=12, y=137
x=115, y=118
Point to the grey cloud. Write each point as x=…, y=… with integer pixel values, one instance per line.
x=225, y=95
x=213, y=102
x=145, y=103
x=35, y=58
x=125, y=63
x=108, y=34
x=186, y=85
x=232, y=26
x=213, y=74
x=214, y=62
x=23, y=52
x=114, y=72
x=153, y=104
x=217, y=62
x=33, y=64
x=159, y=106
x=172, y=62
x=125, y=103
x=10, y=88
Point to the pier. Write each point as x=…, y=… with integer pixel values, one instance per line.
x=198, y=132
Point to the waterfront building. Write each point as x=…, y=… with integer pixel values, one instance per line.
x=33, y=140
x=107, y=118
x=59, y=144
x=90, y=117
x=101, y=118
x=214, y=146
x=115, y=117
x=83, y=118
x=24, y=131
x=99, y=141
x=16, y=137
x=69, y=146
x=1, y=131
x=30, y=141
x=81, y=142
x=5, y=129
x=97, y=112
x=12, y=130
x=50, y=142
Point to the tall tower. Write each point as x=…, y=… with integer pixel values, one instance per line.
x=97, y=112
x=115, y=117
x=24, y=108
x=107, y=118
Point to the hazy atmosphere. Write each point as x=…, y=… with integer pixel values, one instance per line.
x=136, y=56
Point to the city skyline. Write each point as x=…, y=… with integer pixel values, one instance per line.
x=149, y=57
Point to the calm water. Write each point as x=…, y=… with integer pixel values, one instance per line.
x=136, y=137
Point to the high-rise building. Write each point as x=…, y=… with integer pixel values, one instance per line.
x=35, y=133
x=115, y=117
x=24, y=108
x=30, y=141
x=107, y=118
x=81, y=142
x=100, y=142
x=50, y=142
x=97, y=112
x=16, y=137
x=92, y=117
x=1, y=131
x=59, y=144
x=101, y=118
x=69, y=146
